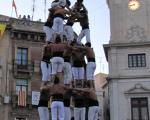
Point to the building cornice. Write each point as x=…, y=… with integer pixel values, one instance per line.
x=127, y=77
x=28, y=31
x=118, y=45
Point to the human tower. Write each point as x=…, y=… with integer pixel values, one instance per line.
x=67, y=79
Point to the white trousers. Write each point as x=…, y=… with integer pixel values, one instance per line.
x=67, y=73
x=58, y=25
x=43, y=113
x=67, y=113
x=90, y=68
x=49, y=33
x=57, y=64
x=78, y=73
x=68, y=31
x=86, y=33
x=46, y=71
x=79, y=113
x=57, y=110
x=94, y=113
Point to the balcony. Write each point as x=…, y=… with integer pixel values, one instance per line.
x=23, y=69
x=14, y=101
x=29, y=112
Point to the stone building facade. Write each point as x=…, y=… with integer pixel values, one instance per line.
x=20, y=55
x=128, y=55
x=101, y=86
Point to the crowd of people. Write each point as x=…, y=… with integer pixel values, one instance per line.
x=67, y=78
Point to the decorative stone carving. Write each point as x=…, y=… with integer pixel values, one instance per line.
x=138, y=89
x=136, y=34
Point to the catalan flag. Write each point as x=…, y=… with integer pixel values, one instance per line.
x=22, y=98
x=2, y=29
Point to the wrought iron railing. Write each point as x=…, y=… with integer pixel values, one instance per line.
x=23, y=64
x=23, y=68
x=14, y=100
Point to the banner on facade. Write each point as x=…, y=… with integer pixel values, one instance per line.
x=2, y=29
x=35, y=97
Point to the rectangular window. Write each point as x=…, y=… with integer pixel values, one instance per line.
x=20, y=118
x=22, y=56
x=136, y=60
x=15, y=35
x=24, y=36
x=21, y=85
x=41, y=37
x=32, y=36
x=139, y=109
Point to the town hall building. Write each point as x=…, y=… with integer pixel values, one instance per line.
x=128, y=55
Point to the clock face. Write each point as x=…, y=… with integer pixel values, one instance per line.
x=133, y=5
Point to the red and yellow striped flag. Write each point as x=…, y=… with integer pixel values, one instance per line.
x=2, y=29
x=22, y=98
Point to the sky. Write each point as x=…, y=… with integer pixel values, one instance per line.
x=98, y=12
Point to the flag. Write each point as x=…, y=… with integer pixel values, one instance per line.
x=2, y=29
x=15, y=7
x=22, y=98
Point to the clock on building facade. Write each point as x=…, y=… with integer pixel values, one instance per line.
x=133, y=4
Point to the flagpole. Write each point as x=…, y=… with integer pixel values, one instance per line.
x=45, y=9
x=11, y=10
x=16, y=13
x=33, y=9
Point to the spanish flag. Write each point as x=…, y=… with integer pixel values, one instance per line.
x=2, y=29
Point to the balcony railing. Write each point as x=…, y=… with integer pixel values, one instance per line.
x=23, y=69
x=14, y=101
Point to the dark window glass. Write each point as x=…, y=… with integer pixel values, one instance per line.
x=15, y=35
x=42, y=38
x=32, y=37
x=136, y=60
x=139, y=109
x=24, y=36
x=21, y=85
x=22, y=56
x=20, y=118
